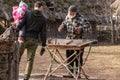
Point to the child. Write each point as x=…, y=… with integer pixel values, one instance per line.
x=18, y=13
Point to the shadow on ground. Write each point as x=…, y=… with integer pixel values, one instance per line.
x=56, y=77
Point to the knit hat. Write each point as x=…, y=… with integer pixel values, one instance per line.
x=72, y=8
x=23, y=4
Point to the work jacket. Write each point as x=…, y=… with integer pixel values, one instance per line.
x=35, y=24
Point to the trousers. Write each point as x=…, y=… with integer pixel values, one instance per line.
x=71, y=65
x=31, y=46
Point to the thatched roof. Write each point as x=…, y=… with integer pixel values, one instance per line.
x=56, y=9
x=61, y=7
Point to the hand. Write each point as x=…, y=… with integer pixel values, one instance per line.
x=42, y=51
x=78, y=29
x=60, y=29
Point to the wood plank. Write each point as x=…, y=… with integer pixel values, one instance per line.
x=74, y=44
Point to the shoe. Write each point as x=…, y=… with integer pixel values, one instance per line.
x=78, y=75
x=42, y=51
x=26, y=77
x=68, y=76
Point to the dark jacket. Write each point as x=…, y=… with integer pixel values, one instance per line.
x=35, y=24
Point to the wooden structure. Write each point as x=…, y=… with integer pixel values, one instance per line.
x=115, y=7
x=8, y=56
x=67, y=44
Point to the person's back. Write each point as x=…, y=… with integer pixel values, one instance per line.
x=35, y=24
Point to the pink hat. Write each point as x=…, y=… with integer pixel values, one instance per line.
x=18, y=12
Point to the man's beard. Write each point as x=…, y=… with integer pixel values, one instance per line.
x=71, y=16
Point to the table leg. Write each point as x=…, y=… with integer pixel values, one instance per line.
x=60, y=55
x=49, y=70
x=84, y=74
x=65, y=65
x=63, y=62
x=80, y=69
x=50, y=66
x=79, y=66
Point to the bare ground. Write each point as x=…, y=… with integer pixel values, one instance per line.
x=103, y=64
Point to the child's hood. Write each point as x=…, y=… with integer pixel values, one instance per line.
x=23, y=4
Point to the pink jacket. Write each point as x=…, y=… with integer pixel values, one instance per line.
x=18, y=13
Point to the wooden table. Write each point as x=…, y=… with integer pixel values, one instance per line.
x=67, y=44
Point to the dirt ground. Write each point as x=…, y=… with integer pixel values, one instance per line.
x=103, y=64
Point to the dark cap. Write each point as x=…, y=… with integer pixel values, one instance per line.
x=38, y=4
x=72, y=8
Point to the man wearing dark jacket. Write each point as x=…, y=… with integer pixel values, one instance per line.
x=35, y=25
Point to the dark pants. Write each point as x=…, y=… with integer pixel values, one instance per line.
x=71, y=65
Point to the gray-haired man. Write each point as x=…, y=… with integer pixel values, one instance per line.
x=74, y=24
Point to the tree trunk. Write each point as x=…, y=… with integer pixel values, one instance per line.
x=112, y=31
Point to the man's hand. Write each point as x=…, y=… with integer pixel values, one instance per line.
x=78, y=29
x=42, y=51
x=60, y=29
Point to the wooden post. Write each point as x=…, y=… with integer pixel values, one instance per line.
x=9, y=64
x=9, y=57
x=112, y=29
